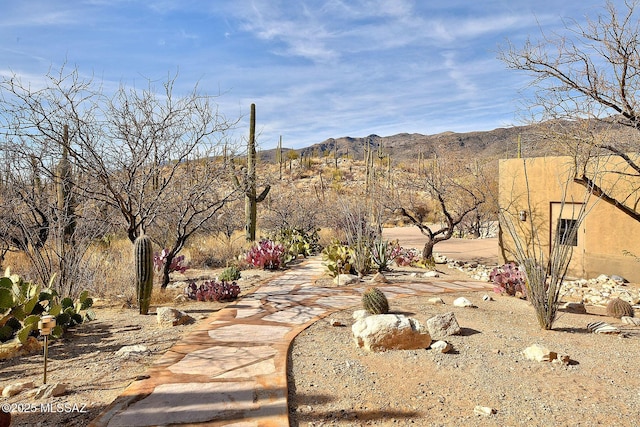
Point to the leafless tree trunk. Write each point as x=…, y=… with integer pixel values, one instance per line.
x=455, y=190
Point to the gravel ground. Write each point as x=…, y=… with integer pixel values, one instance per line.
x=333, y=382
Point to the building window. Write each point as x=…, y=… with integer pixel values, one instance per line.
x=566, y=233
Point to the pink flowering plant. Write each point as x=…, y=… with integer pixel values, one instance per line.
x=177, y=264
x=508, y=279
x=266, y=254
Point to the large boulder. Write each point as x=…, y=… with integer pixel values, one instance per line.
x=389, y=332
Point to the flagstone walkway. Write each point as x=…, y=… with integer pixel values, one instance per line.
x=231, y=370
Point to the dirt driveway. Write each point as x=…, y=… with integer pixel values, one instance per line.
x=483, y=251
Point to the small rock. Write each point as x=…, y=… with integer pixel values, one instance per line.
x=379, y=278
x=563, y=360
x=168, y=316
x=335, y=323
x=635, y=321
x=602, y=328
x=486, y=297
x=602, y=278
x=443, y=325
x=618, y=279
x=432, y=273
x=484, y=410
x=345, y=279
x=462, y=302
x=574, y=307
x=5, y=418
x=47, y=391
x=435, y=301
x=440, y=259
x=441, y=346
x=16, y=388
x=132, y=351
x=539, y=353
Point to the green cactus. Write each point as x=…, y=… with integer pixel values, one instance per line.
x=374, y=301
x=143, y=255
x=64, y=185
x=618, y=308
x=229, y=274
x=248, y=186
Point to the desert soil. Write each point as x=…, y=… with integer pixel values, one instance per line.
x=333, y=382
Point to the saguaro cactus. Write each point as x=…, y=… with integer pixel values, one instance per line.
x=64, y=186
x=251, y=200
x=143, y=256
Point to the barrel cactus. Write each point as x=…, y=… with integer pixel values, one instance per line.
x=143, y=256
x=374, y=301
x=618, y=308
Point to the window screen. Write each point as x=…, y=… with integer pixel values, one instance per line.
x=565, y=232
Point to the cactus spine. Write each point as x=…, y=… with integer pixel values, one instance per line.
x=374, y=301
x=143, y=256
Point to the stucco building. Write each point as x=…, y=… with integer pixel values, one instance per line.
x=607, y=239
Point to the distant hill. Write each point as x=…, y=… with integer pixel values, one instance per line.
x=497, y=143
x=501, y=142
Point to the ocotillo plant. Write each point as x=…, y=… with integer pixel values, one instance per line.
x=143, y=256
x=251, y=200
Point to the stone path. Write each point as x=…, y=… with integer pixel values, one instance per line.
x=231, y=370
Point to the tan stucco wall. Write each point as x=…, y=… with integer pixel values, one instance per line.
x=607, y=232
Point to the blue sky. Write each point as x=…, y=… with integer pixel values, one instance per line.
x=315, y=69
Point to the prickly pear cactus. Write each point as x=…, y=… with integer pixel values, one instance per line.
x=374, y=301
x=618, y=308
x=143, y=256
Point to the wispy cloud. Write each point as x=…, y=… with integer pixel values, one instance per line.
x=315, y=68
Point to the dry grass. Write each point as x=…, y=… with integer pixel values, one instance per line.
x=215, y=251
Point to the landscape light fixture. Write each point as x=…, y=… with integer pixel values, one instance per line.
x=46, y=324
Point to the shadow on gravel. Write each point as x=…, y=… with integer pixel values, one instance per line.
x=467, y=332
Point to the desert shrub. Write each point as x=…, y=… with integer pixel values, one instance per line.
x=112, y=267
x=177, y=263
x=508, y=279
x=212, y=290
x=297, y=242
x=215, y=250
x=338, y=259
x=266, y=254
x=383, y=253
x=407, y=257
x=229, y=274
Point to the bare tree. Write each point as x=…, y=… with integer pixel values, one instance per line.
x=198, y=195
x=129, y=150
x=592, y=74
x=453, y=187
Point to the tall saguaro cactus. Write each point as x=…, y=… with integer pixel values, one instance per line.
x=251, y=199
x=143, y=257
x=64, y=185
x=66, y=209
